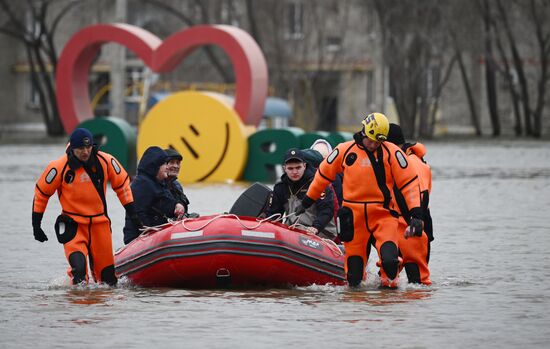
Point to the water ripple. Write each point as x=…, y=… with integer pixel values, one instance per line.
x=489, y=267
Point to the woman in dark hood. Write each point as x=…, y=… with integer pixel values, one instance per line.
x=153, y=202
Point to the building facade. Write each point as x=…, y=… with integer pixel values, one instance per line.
x=325, y=57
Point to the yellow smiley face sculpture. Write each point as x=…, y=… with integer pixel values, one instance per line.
x=204, y=129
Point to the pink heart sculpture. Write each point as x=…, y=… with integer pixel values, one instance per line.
x=161, y=56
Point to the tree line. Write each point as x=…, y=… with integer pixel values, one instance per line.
x=422, y=44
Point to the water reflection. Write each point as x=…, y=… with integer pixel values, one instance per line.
x=489, y=267
x=384, y=297
x=89, y=295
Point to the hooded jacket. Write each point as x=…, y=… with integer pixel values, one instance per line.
x=153, y=202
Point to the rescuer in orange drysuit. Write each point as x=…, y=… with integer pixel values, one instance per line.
x=415, y=251
x=80, y=178
x=370, y=167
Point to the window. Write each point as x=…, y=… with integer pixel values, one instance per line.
x=296, y=20
x=333, y=44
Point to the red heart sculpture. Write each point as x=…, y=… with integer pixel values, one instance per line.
x=161, y=56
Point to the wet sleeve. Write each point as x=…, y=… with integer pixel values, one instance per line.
x=327, y=172
x=120, y=181
x=47, y=184
x=406, y=179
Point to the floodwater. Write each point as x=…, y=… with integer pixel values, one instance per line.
x=490, y=268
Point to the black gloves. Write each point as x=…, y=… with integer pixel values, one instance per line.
x=415, y=228
x=132, y=214
x=39, y=234
x=415, y=223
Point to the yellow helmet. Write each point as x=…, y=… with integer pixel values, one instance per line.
x=376, y=127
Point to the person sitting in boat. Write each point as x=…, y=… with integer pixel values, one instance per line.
x=174, y=186
x=153, y=201
x=291, y=189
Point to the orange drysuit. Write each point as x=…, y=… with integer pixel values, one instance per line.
x=415, y=250
x=84, y=227
x=368, y=207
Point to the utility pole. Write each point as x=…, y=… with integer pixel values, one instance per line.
x=118, y=66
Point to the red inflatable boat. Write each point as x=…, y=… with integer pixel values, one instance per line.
x=229, y=251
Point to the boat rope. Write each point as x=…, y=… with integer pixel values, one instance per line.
x=272, y=218
x=277, y=217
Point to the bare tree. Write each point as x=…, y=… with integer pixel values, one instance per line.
x=458, y=47
x=540, y=12
x=299, y=64
x=31, y=23
x=322, y=81
x=508, y=74
x=518, y=65
x=490, y=66
x=533, y=17
x=415, y=47
x=266, y=23
x=427, y=126
x=189, y=20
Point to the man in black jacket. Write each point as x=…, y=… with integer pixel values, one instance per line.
x=153, y=201
x=288, y=193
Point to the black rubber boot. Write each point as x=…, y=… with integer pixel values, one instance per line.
x=77, y=260
x=390, y=259
x=355, y=271
x=413, y=273
x=108, y=275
